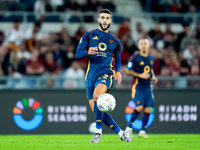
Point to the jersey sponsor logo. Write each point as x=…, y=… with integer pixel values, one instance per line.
x=147, y=69
x=110, y=41
x=102, y=46
x=141, y=63
x=95, y=38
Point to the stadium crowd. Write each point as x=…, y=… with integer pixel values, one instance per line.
x=31, y=53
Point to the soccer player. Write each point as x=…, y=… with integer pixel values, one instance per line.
x=101, y=48
x=140, y=67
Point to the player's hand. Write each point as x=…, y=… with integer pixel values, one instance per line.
x=118, y=77
x=155, y=80
x=144, y=75
x=92, y=50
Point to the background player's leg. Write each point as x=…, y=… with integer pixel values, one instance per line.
x=135, y=114
x=145, y=120
x=145, y=117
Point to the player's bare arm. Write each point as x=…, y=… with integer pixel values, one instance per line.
x=155, y=80
x=143, y=75
x=92, y=50
x=118, y=77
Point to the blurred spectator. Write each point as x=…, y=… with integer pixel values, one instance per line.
x=189, y=39
x=52, y=67
x=189, y=53
x=5, y=67
x=168, y=30
x=189, y=16
x=197, y=30
x=19, y=59
x=139, y=32
x=35, y=66
x=165, y=71
x=156, y=32
x=67, y=55
x=127, y=45
x=109, y=4
x=124, y=28
x=194, y=70
x=56, y=3
x=186, y=28
x=1, y=37
x=35, y=31
x=74, y=72
x=158, y=61
x=40, y=8
x=92, y=5
x=14, y=34
x=124, y=55
x=184, y=68
x=72, y=5
x=15, y=5
x=77, y=37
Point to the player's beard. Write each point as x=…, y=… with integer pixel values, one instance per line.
x=104, y=29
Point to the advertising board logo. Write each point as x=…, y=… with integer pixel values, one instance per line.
x=23, y=110
x=137, y=123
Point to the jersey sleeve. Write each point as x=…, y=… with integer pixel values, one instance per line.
x=118, y=57
x=80, y=51
x=131, y=63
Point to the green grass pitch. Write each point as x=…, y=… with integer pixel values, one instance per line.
x=108, y=142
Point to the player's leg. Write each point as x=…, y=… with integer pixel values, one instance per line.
x=103, y=84
x=138, y=100
x=100, y=89
x=90, y=87
x=145, y=119
x=108, y=121
x=148, y=104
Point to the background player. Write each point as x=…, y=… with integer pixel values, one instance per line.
x=100, y=46
x=140, y=67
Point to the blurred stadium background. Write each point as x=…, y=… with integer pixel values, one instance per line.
x=38, y=39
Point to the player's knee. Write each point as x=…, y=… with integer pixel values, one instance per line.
x=139, y=108
x=95, y=97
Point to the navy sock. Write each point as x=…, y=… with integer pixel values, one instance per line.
x=145, y=119
x=133, y=117
x=98, y=116
x=108, y=121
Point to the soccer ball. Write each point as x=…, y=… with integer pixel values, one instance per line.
x=106, y=103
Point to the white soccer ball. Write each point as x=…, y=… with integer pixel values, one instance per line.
x=106, y=103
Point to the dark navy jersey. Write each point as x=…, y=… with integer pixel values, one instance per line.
x=109, y=49
x=141, y=64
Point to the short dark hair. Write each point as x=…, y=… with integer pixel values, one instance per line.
x=107, y=11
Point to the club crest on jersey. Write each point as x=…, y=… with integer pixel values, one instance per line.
x=95, y=38
x=110, y=41
x=151, y=62
x=141, y=63
x=102, y=46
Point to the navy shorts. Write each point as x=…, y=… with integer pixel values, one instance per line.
x=143, y=97
x=93, y=82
